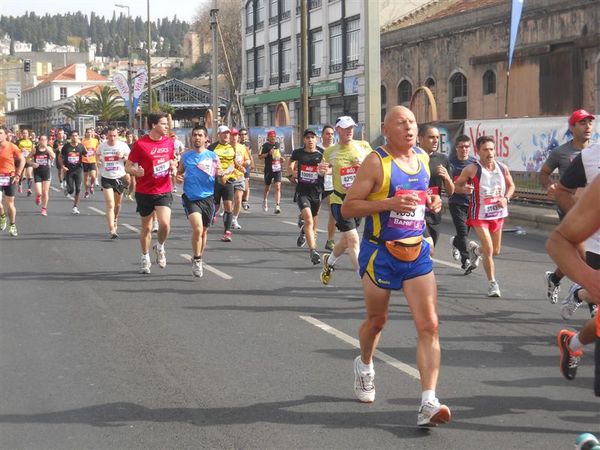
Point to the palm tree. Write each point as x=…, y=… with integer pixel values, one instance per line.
x=74, y=107
x=107, y=105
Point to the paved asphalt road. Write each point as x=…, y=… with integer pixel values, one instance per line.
x=257, y=353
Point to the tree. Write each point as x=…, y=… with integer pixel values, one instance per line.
x=74, y=107
x=107, y=105
x=229, y=40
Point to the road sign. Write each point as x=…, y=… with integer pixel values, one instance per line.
x=13, y=89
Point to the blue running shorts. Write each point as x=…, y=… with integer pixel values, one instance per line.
x=387, y=272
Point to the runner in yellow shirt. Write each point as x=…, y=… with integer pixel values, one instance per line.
x=242, y=158
x=343, y=160
x=224, y=184
x=26, y=147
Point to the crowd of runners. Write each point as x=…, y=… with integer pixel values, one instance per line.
x=397, y=188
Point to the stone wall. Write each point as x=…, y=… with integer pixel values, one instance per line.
x=554, y=69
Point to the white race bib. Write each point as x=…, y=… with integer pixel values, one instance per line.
x=208, y=166
x=347, y=176
x=492, y=208
x=309, y=174
x=328, y=183
x=111, y=163
x=161, y=169
x=409, y=221
x=41, y=160
x=4, y=180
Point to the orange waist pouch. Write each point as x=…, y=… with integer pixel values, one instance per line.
x=405, y=250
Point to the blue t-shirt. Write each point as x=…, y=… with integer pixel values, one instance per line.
x=457, y=166
x=200, y=173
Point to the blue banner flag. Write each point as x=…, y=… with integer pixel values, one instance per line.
x=515, y=18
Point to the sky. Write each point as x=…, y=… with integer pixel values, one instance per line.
x=184, y=9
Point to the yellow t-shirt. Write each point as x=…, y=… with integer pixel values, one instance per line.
x=26, y=147
x=344, y=166
x=91, y=145
x=226, y=154
x=242, y=158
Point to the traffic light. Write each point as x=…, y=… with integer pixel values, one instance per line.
x=27, y=65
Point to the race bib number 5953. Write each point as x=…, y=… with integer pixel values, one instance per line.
x=413, y=220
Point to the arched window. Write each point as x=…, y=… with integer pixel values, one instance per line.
x=249, y=17
x=404, y=93
x=489, y=82
x=383, y=101
x=430, y=83
x=458, y=96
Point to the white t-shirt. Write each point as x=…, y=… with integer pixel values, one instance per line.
x=113, y=159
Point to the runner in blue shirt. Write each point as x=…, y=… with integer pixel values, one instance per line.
x=197, y=170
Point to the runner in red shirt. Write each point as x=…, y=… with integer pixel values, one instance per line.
x=151, y=161
x=11, y=165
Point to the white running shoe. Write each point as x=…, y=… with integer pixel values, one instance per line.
x=236, y=225
x=432, y=414
x=75, y=211
x=161, y=256
x=265, y=206
x=493, y=289
x=12, y=230
x=145, y=264
x=455, y=252
x=570, y=304
x=552, y=289
x=474, y=257
x=364, y=386
x=197, y=270
x=155, y=226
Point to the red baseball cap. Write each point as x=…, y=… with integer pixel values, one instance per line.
x=271, y=133
x=234, y=131
x=580, y=114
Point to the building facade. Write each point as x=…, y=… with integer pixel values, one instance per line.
x=458, y=50
x=271, y=53
x=39, y=105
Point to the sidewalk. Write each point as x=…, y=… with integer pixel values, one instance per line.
x=523, y=214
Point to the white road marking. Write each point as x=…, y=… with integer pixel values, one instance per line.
x=96, y=210
x=409, y=370
x=449, y=264
x=129, y=227
x=209, y=268
x=55, y=189
x=296, y=225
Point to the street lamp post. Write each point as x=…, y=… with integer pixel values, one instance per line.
x=129, y=64
x=215, y=68
x=149, y=62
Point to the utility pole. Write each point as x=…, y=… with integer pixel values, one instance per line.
x=129, y=66
x=304, y=63
x=215, y=69
x=372, y=76
x=149, y=62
